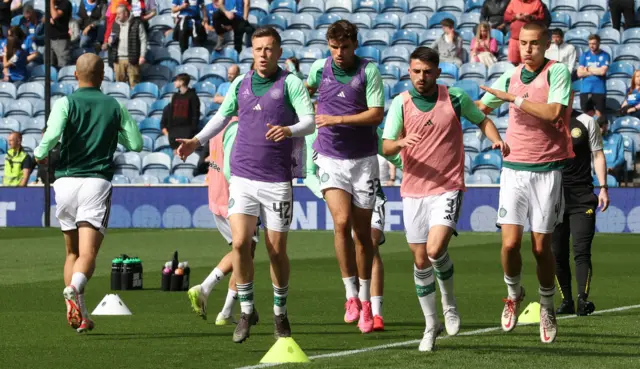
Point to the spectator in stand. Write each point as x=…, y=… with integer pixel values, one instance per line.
x=484, y=48
x=631, y=105
x=619, y=8
x=593, y=68
x=493, y=12
x=60, y=40
x=192, y=15
x=519, y=13
x=14, y=61
x=232, y=73
x=560, y=50
x=449, y=45
x=33, y=55
x=293, y=66
x=184, y=112
x=92, y=17
x=17, y=163
x=232, y=15
x=127, y=46
x=29, y=21
x=112, y=10
x=144, y=10
x=613, y=147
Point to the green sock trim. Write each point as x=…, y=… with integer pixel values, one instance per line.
x=444, y=275
x=423, y=291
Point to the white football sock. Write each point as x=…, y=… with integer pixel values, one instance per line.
x=546, y=296
x=365, y=290
x=513, y=286
x=350, y=286
x=211, y=281
x=443, y=267
x=376, y=305
x=245, y=294
x=229, y=303
x=426, y=291
x=79, y=280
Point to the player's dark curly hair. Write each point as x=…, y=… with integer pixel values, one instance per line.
x=342, y=30
x=425, y=55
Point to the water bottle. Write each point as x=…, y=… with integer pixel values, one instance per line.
x=137, y=274
x=127, y=275
x=116, y=273
x=177, y=278
x=185, y=279
x=166, y=277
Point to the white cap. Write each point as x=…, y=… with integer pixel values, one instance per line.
x=167, y=264
x=180, y=265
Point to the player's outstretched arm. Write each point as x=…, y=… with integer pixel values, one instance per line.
x=129, y=135
x=55, y=126
x=543, y=111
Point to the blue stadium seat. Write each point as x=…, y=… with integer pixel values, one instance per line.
x=333, y=6
x=366, y=6
x=326, y=19
x=196, y=55
x=109, y=74
x=386, y=21
x=631, y=36
x=449, y=71
x=609, y=36
x=118, y=90
x=628, y=52
x=168, y=91
x=67, y=73
x=434, y=21
x=169, y=57
x=31, y=91
x=274, y=20
x=311, y=6
x=369, y=52
x=489, y=163
x=293, y=37
x=120, y=179
x=318, y=37
x=155, y=110
x=473, y=6
x=158, y=74
x=628, y=127
x=8, y=125
x=467, y=35
x=375, y=38
x=471, y=143
x=629, y=153
x=622, y=70
x=29, y=143
x=586, y=20
x=577, y=37
x=259, y=7
x=404, y=37
x=468, y=126
x=205, y=89
x=617, y=87
x=395, y=53
x=201, y=178
x=469, y=21
x=426, y=38
x=189, y=69
x=246, y=55
x=185, y=168
x=145, y=179
x=597, y=6
x=174, y=179
x=361, y=20
x=4, y=147
x=401, y=6
x=37, y=74
x=162, y=22
x=416, y=21
x=146, y=91
x=215, y=73
x=211, y=110
x=286, y=54
x=309, y=54
x=151, y=128
x=162, y=143
x=302, y=21
x=502, y=123
x=226, y=55
x=282, y=6
x=476, y=72
x=155, y=39
x=33, y=126
x=455, y=7
x=428, y=6
x=479, y=179
x=564, y=5
x=390, y=72
x=401, y=87
x=156, y=164
x=138, y=109
x=147, y=143
x=19, y=108
x=560, y=20
x=128, y=164
x=470, y=87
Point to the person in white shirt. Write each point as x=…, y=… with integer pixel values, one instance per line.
x=560, y=50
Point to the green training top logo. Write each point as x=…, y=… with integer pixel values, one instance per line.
x=502, y=212
x=231, y=203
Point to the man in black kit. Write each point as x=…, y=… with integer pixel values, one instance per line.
x=579, y=213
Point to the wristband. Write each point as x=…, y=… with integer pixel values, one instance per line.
x=518, y=101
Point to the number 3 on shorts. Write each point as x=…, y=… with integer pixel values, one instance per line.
x=283, y=208
x=374, y=185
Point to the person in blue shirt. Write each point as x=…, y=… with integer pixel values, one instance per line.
x=29, y=21
x=192, y=14
x=593, y=70
x=232, y=73
x=613, y=147
x=232, y=15
x=14, y=61
x=33, y=55
x=631, y=105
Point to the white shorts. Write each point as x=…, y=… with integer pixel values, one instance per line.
x=272, y=202
x=224, y=228
x=378, y=216
x=533, y=196
x=420, y=214
x=82, y=200
x=359, y=177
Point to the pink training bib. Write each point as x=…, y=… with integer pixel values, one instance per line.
x=218, y=185
x=436, y=164
x=532, y=140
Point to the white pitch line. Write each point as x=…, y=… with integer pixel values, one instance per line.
x=414, y=342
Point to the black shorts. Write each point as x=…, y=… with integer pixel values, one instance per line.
x=579, y=200
x=590, y=102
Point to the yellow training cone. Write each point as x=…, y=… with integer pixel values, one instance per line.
x=285, y=350
x=531, y=314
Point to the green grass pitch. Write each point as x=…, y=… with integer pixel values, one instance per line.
x=163, y=332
